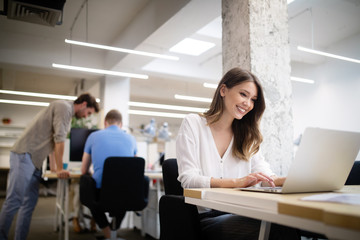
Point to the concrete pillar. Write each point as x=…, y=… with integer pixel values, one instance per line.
x=115, y=94
x=255, y=37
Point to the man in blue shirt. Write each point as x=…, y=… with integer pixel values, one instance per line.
x=109, y=142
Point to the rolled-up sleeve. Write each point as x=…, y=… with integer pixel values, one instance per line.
x=61, y=121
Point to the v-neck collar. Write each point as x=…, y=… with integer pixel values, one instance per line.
x=214, y=144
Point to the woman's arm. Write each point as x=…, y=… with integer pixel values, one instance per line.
x=187, y=154
x=249, y=180
x=279, y=181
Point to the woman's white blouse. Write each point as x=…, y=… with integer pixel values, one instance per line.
x=198, y=159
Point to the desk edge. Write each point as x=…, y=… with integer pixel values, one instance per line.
x=193, y=193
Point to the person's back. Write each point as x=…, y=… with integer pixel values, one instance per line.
x=109, y=142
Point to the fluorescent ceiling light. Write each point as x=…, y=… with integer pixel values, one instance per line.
x=290, y=1
x=42, y=104
x=304, y=80
x=327, y=54
x=191, y=47
x=210, y=85
x=43, y=95
x=167, y=107
x=148, y=54
x=157, y=114
x=191, y=98
x=100, y=71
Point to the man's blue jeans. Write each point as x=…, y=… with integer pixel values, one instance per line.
x=21, y=196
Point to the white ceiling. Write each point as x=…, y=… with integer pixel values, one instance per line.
x=153, y=26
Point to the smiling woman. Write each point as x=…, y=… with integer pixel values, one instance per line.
x=220, y=149
x=239, y=99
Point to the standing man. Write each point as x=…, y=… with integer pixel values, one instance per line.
x=109, y=142
x=46, y=134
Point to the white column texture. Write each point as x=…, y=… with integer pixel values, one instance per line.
x=255, y=37
x=116, y=95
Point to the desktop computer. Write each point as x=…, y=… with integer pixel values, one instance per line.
x=78, y=138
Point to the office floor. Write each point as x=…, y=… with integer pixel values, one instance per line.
x=43, y=219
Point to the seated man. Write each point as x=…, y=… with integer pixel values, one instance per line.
x=109, y=142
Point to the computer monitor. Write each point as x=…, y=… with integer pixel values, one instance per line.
x=78, y=138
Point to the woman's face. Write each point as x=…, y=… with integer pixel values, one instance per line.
x=240, y=99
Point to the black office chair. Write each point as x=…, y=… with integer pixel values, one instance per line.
x=124, y=188
x=178, y=220
x=354, y=175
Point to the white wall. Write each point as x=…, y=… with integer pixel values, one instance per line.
x=334, y=100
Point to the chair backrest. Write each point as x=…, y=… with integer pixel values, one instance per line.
x=124, y=186
x=170, y=174
x=354, y=175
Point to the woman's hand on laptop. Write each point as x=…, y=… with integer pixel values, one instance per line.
x=255, y=178
x=278, y=181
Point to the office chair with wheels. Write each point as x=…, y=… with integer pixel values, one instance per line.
x=124, y=188
x=178, y=220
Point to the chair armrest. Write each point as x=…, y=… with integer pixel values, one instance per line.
x=178, y=220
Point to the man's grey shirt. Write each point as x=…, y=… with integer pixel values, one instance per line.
x=50, y=126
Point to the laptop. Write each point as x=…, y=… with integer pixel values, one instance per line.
x=322, y=163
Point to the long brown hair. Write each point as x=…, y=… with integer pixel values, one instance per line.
x=247, y=135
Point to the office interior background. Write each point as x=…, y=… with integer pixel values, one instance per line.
x=28, y=50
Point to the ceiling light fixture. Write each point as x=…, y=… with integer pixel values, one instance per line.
x=192, y=47
x=192, y=98
x=167, y=107
x=304, y=80
x=313, y=51
x=41, y=104
x=156, y=114
x=116, y=49
x=100, y=71
x=43, y=95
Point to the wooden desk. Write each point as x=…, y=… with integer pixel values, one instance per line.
x=331, y=214
x=338, y=221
